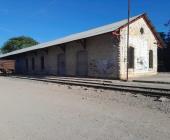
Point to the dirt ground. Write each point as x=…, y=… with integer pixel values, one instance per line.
x=32, y=110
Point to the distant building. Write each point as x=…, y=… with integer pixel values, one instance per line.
x=98, y=53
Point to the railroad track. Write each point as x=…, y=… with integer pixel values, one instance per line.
x=103, y=84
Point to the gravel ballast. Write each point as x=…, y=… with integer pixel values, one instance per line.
x=31, y=110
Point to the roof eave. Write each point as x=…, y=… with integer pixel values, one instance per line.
x=160, y=41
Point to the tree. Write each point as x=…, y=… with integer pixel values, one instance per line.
x=164, y=53
x=17, y=43
x=167, y=35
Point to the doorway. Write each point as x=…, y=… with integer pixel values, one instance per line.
x=131, y=56
x=151, y=59
x=61, y=64
x=82, y=63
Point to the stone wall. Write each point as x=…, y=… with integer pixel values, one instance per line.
x=102, y=58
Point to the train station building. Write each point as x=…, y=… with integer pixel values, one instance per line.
x=96, y=53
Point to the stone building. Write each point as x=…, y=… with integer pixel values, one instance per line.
x=98, y=53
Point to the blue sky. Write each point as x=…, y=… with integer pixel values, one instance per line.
x=45, y=20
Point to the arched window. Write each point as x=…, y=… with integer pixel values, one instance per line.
x=131, y=57
x=142, y=30
x=150, y=59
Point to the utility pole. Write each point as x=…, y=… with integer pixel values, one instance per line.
x=127, y=61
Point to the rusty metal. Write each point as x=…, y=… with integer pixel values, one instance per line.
x=7, y=66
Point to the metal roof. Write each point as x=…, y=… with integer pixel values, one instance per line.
x=73, y=37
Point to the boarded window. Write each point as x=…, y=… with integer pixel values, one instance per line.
x=150, y=59
x=42, y=63
x=33, y=63
x=131, y=57
x=26, y=64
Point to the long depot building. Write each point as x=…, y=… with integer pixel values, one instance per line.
x=98, y=53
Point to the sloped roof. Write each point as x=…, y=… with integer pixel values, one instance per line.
x=77, y=36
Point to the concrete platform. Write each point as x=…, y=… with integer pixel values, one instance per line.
x=157, y=89
x=163, y=78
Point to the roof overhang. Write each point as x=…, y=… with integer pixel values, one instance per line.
x=89, y=33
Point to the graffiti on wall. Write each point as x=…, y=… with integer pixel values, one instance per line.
x=141, y=53
x=141, y=63
x=102, y=66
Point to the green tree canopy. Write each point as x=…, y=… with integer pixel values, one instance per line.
x=167, y=37
x=164, y=53
x=17, y=43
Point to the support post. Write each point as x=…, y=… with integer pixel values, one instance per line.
x=128, y=28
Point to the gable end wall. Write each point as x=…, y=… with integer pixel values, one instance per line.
x=142, y=43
